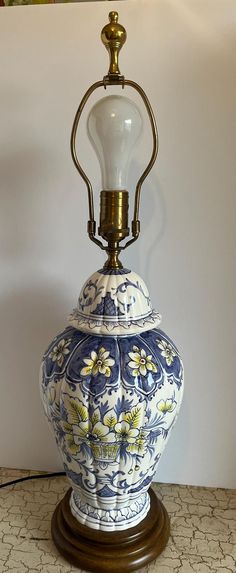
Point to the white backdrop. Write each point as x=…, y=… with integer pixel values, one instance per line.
x=184, y=53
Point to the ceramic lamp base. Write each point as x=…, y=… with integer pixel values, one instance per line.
x=102, y=552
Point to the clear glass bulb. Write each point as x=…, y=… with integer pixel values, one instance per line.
x=114, y=126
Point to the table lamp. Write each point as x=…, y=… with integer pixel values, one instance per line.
x=112, y=381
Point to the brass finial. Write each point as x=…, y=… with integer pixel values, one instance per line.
x=113, y=36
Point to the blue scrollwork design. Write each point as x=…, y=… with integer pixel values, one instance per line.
x=90, y=293
x=122, y=288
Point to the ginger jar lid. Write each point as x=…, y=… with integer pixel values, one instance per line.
x=114, y=302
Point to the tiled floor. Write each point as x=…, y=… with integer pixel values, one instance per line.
x=203, y=528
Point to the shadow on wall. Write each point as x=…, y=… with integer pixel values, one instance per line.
x=153, y=218
x=29, y=320
x=33, y=305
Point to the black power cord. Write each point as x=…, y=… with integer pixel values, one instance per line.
x=37, y=476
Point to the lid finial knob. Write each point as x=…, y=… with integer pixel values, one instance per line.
x=113, y=36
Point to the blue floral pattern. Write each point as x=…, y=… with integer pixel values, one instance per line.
x=112, y=402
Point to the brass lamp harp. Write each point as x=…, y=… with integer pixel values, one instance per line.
x=113, y=226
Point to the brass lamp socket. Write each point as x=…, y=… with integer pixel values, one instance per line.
x=114, y=206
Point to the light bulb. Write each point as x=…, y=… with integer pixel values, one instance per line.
x=114, y=126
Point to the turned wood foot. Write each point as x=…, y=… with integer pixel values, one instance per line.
x=112, y=552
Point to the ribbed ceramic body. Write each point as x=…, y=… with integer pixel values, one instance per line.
x=114, y=303
x=111, y=401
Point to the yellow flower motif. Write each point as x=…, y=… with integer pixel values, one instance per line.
x=72, y=446
x=98, y=363
x=76, y=411
x=125, y=433
x=166, y=405
x=75, y=435
x=86, y=430
x=138, y=447
x=140, y=362
x=167, y=351
x=60, y=351
x=110, y=419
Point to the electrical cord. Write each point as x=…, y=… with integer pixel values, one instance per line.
x=37, y=476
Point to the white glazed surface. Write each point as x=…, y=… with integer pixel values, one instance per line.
x=103, y=519
x=114, y=304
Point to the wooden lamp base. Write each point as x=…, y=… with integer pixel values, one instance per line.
x=110, y=552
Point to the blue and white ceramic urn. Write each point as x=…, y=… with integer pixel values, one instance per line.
x=112, y=386
x=112, y=381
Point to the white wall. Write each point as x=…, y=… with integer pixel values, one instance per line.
x=184, y=53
